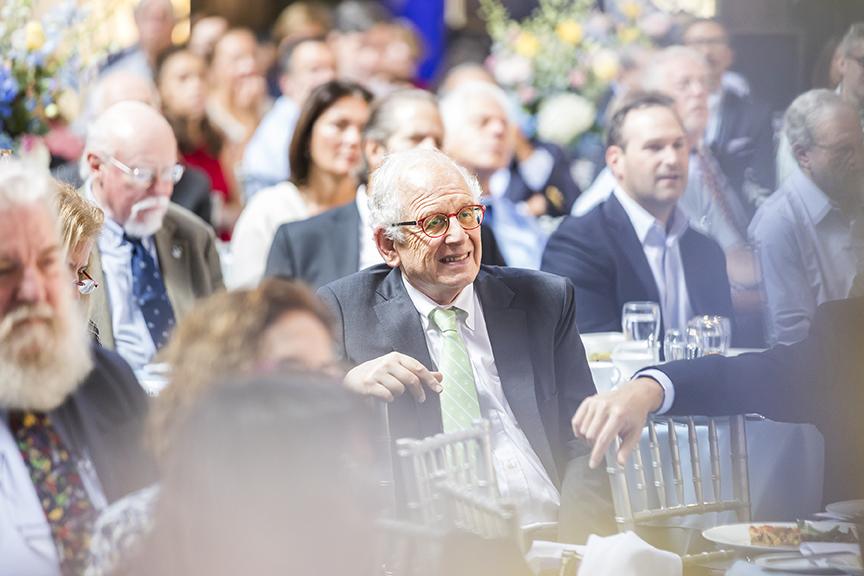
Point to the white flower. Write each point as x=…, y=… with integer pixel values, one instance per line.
x=563, y=117
x=512, y=70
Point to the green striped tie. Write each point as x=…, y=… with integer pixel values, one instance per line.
x=460, y=405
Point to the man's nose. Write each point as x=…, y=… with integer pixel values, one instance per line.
x=32, y=288
x=455, y=232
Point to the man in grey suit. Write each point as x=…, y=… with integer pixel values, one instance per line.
x=464, y=340
x=339, y=242
x=154, y=258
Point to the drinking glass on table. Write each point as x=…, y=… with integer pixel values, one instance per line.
x=674, y=345
x=640, y=321
x=711, y=334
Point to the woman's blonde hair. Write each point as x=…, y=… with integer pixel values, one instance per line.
x=80, y=219
x=222, y=336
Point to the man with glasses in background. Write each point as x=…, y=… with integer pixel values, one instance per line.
x=154, y=258
x=446, y=340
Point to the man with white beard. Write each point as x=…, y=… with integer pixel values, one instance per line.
x=69, y=416
x=154, y=258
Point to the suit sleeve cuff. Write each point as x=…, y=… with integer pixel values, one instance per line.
x=665, y=383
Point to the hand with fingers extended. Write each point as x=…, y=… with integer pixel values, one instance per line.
x=389, y=376
x=622, y=412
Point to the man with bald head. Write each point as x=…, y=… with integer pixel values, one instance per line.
x=154, y=20
x=447, y=340
x=154, y=258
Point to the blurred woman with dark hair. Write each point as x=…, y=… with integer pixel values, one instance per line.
x=325, y=154
x=182, y=83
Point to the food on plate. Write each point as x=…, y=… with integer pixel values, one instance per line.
x=599, y=357
x=827, y=532
x=772, y=535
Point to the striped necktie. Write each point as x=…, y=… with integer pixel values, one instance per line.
x=460, y=406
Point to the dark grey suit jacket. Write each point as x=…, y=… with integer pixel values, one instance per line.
x=326, y=247
x=104, y=418
x=530, y=318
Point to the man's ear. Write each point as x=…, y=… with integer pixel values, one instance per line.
x=802, y=156
x=387, y=248
x=374, y=152
x=94, y=163
x=613, y=159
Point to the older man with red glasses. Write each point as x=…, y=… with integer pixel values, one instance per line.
x=154, y=258
x=446, y=340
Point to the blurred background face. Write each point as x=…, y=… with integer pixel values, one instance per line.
x=182, y=85
x=711, y=40
x=687, y=83
x=312, y=64
x=155, y=22
x=335, y=143
x=234, y=59
x=205, y=33
x=852, y=69
x=419, y=124
x=483, y=139
x=298, y=339
x=835, y=161
x=652, y=165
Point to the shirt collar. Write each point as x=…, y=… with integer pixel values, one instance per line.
x=425, y=305
x=362, y=200
x=643, y=222
x=817, y=204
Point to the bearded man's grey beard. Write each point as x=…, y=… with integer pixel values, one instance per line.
x=44, y=356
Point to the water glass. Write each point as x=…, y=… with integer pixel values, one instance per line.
x=641, y=321
x=674, y=345
x=711, y=334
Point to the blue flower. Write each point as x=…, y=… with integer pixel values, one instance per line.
x=9, y=89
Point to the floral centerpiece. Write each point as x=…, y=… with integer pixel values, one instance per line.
x=559, y=62
x=42, y=57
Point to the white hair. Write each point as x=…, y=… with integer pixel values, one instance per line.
x=805, y=113
x=22, y=184
x=453, y=103
x=388, y=181
x=119, y=123
x=41, y=363
x=655, y=74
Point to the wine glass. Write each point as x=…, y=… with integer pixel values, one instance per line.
x=712, y=334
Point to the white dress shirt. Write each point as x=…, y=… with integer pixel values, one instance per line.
x=520, y=474
x=26, y=545
x=662, y=249
x=369, y=255
x=132, y=339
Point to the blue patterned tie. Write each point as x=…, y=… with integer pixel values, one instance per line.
x=150, y=294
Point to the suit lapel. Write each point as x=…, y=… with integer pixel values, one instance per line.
x=507, y=326
x=700, y=286
x=401, y=327
x=625, y=235
x=174, y=257
x=100, y=308
x=346, y=254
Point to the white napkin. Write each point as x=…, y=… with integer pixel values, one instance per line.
x=627, y=555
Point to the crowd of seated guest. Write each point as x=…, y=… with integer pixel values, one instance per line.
x=456, y=264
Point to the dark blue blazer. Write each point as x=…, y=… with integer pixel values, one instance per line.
x=818, y=380
x=601, y=254
x=560, y=190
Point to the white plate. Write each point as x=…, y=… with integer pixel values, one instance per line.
x=738, y=536
x=601, y=343
x=847, y=564
x=847, y=508
x=796, y=563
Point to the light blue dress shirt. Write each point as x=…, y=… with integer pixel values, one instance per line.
x=808, y=252
x=265, y=159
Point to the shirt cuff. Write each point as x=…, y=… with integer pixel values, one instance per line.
x=665, y=383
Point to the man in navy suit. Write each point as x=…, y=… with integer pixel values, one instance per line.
x=511, y=352
x=638, y=244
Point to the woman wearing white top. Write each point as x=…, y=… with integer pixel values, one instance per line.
x=324, y=155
